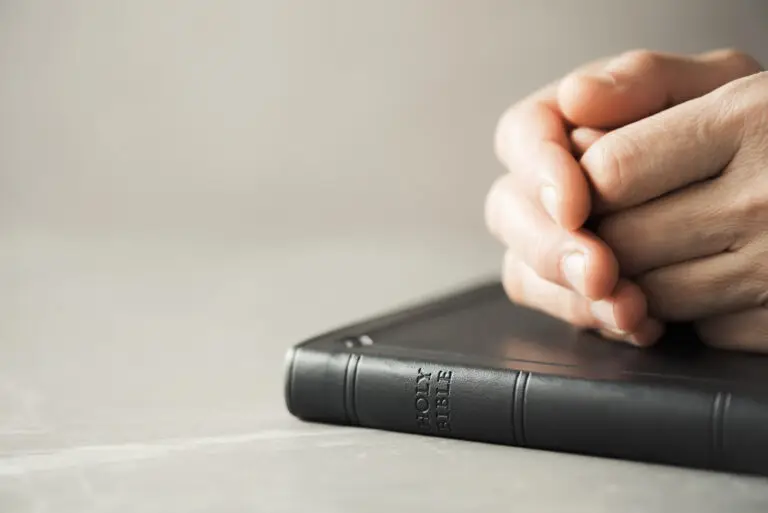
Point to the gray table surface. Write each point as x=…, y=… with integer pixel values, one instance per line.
x=150, y=379
x=189, y=188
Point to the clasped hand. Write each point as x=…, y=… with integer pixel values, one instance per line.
x=637, y=194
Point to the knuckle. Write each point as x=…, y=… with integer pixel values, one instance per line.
x=607, y=164
x=750, y=104
x=748, y=207
x=741, y=102
x=744, y=63
x=513, y=134
x=638, y=61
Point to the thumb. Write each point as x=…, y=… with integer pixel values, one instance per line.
x=639, y=84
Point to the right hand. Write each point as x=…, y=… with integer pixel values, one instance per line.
x=538, y=209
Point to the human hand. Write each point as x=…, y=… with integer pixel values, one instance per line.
x=541, y=226
x=685, y=193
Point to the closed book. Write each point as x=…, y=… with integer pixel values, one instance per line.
x=472, y=365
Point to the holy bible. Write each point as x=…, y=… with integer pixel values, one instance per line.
x=472, y=365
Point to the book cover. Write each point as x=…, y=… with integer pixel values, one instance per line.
x=472, y=365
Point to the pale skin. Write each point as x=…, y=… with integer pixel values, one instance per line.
x=667, y=156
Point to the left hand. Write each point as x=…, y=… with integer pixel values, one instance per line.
x=684, y=195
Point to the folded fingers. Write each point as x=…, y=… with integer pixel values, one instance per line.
x=571, y=259
x=532, y=143
x=690, y=224
x=621, y=316
x=641, y=83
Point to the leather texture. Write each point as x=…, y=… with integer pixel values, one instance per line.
x=473, y=366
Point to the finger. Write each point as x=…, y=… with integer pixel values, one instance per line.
x=647, y=333
x=532, y=142
x=525, y=287
x=582, y=138
x=641, y=83
x=689, y=224
x=701, y=288
x=669, y=150
x=624, y=310
x=575, y=260
x=622, y=313
x=741, y=331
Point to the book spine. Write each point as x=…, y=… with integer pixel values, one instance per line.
x=649, y=422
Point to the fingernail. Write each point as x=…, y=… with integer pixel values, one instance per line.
x=606, y=78
x=574, y=268
x=603, y=311
x=649, y=333
x=548, y=196
x=614, y=334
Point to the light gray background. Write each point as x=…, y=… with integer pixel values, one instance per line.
x=189, y=187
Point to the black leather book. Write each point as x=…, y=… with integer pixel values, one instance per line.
x=471, y=365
